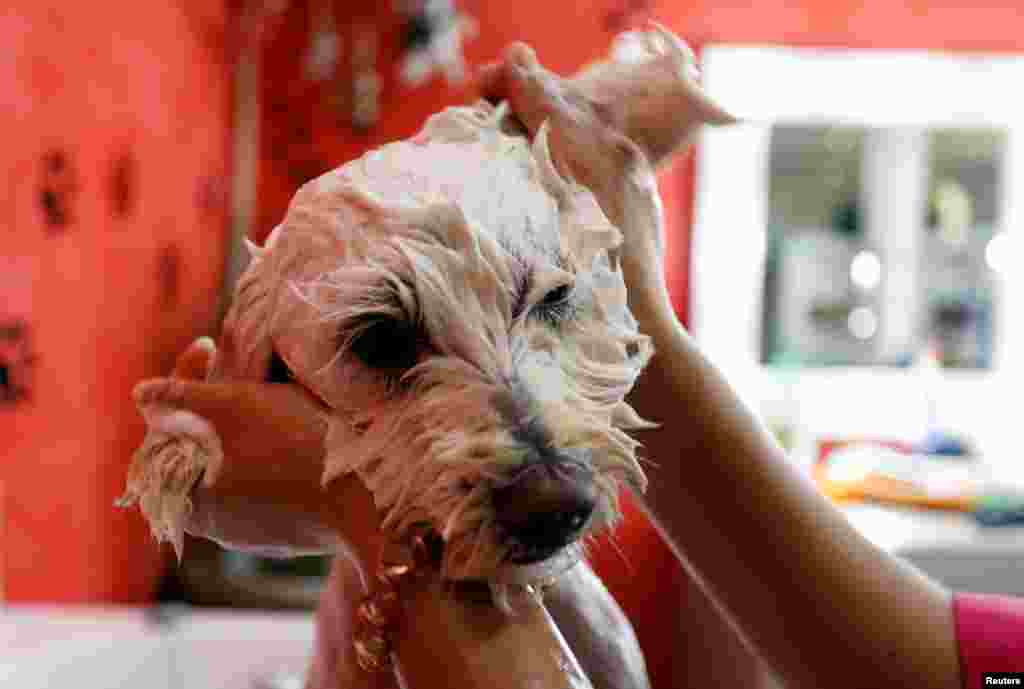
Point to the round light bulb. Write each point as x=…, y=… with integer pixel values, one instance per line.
x=862, y=322
x=866, y=269
x=999, y=253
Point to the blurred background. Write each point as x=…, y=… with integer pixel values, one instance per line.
x=848, y=256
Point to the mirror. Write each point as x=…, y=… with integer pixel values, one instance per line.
x=881, y=245
x=874, y=136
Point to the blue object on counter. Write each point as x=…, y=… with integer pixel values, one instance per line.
x=945, y=445
x=998, y=510
x=999, y=517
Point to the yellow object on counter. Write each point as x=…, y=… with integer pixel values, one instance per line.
x=885, y=473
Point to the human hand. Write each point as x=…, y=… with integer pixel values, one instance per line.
x=647, y=90
x=265, y=495
x=584, y=143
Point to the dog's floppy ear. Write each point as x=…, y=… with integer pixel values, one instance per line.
x=180, y=449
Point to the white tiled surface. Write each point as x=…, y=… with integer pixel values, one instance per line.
x=90, y=648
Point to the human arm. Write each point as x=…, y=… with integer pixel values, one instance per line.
x=482, y=646
x=819, y=602
x=815, y=599
x=597, y=630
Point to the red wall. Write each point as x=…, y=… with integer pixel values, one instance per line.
x=115, y=116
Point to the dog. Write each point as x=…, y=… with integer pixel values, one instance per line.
x=456, y=303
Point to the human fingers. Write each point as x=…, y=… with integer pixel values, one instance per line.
x=491, y=82
x=229, y=400
x=493, y=79
x=534, y=93
x=194, y=362
x=259, y=424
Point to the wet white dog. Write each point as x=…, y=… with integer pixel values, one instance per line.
x=455, y=302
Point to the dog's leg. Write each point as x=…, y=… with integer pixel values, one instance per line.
x=179, y=447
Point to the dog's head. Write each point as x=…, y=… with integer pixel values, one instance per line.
x=456, y=305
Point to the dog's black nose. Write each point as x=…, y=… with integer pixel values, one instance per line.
x=543, y=507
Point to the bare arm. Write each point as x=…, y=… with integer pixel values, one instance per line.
x=822, y=605
x=480, y=645
x=597, y=630
x=819, y=602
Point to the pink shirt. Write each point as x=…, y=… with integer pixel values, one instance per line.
x=990, y=634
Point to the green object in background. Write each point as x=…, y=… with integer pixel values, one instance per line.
x=846, y=220
x=785, y=370
x=306, y=566
x=240, y=563
x=998, y=501
x=785, y=434
x=787, y=360
x=1000, y=510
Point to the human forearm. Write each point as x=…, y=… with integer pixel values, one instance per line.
x=819, y=602
x=481, y=646
x=597, y=630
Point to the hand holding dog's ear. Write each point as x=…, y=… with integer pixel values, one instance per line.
x=645, y=95
x=584, y=144
x=611, y=125
x=266, y=495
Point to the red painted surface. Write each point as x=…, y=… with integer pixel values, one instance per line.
x=639, y=570
x=131, y=100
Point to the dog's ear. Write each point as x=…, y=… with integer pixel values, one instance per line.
x=180, y=449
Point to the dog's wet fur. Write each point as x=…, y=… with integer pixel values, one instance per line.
x=456, y=305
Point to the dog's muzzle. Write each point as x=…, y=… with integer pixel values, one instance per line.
x=544, y=506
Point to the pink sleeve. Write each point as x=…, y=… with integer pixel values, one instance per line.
x=990, y=635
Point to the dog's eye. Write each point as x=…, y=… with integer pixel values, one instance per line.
x=278, y=371
x=386, y=343
x=556, y=296
x=556, y=305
